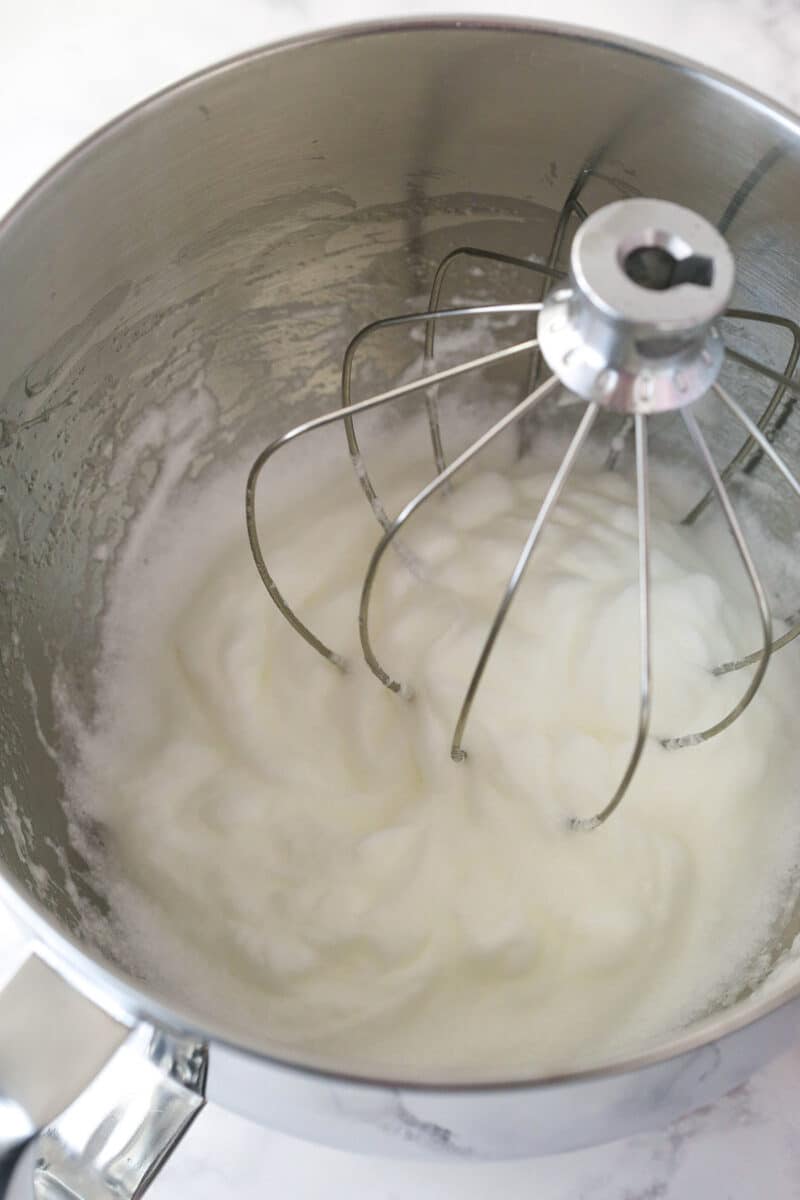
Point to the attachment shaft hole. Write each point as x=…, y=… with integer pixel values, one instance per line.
x=655, y=268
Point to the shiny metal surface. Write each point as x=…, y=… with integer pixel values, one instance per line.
x=744, y=457
x=119, y=1133
x=113, y=1102
x=759, y=593
x=440, y=481
x=548, y=504
x=645, y=654
x=759, y=438
x=434, y=303
x=179, y=246
x=52, y=1044
x=345, y=415
x=634, y=328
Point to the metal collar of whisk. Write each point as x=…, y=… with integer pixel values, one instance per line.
x=634, y=328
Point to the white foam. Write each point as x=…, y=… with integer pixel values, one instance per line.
x=294, y=845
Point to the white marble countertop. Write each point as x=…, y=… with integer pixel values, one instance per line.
x=68, y=65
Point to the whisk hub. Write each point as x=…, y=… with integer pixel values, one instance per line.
x=634, y=329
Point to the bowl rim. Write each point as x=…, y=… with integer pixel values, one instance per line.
x=83, y=966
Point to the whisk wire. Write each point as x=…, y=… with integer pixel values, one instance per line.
x=608, y=349
x=764, y=613
x=551, y=498
x=432, y=397
x=403, y=516
x=758, y=436
x=428, y=381
x=346, y=414
x=645, y=664
x=792, y=385
x=573, y=207
x=783, y=386
x=444, y=266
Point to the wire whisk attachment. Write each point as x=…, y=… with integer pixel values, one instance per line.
x=633, y=328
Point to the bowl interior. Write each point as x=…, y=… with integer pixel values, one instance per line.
x=238, y=230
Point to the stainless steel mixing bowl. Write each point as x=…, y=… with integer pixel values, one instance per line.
x=202, y=236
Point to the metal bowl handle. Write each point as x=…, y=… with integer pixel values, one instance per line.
x=89, y=1104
